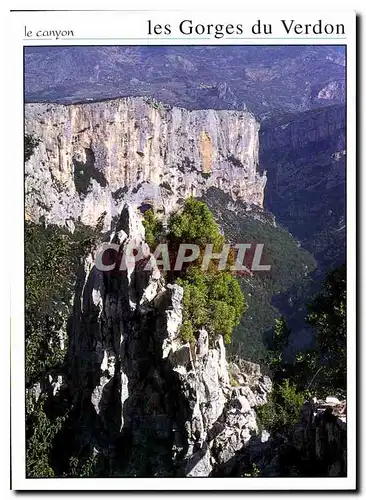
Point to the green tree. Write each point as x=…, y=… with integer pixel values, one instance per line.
x=195, y=224
x=41, y=431
x=153, y=228
x=281, y=334
x=195, y=303
x=327, y=314
x=212, y=299
x=227, y=303
x=282, y=411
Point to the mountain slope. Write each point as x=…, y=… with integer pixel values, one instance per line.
x=261, y=79
x=265, y=292
x=305, y=159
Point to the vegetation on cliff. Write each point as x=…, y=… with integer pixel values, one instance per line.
x=153, y=228
x=212, y=299
x=52, y=257
x=317, y=372
x=30, y=144
x=282, y=411
x=195, y=224
x=268, y=294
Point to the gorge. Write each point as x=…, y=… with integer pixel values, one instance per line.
x=108, y=372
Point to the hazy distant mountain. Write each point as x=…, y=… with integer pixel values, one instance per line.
x=261, y=79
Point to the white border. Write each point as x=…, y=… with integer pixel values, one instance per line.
x=90, y=23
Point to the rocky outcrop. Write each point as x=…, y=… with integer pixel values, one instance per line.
x=172, y=407
x=92, y=157
x=322, y=436
x=315, y=447
x=144, y=400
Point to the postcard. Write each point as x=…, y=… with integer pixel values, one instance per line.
x=183, y=308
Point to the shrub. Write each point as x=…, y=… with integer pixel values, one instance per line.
x=282, y=411
x=85, y=467
x=187, y=332
x=211, y=300
x=153, y=228
x=41, y=432
x=232, y=375
x=30, y=143
x=254, y=472
x=195, y=224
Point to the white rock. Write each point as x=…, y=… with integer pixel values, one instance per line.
x=332, y=400
x=265, y=435
x=137, y=148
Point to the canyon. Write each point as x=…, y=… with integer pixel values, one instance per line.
x=264, y=148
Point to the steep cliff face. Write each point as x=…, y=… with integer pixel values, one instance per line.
x=305, y=159
x=144, y=401
x=91, y=156
x=295, y=131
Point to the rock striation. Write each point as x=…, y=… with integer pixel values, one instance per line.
x=92, y=157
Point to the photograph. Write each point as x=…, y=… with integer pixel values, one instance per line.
x=185, y=278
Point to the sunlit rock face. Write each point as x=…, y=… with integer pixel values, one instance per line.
x=94, y=156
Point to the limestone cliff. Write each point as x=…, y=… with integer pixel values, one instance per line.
x=135, y=396
x=141, y=398
x=92, y=156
